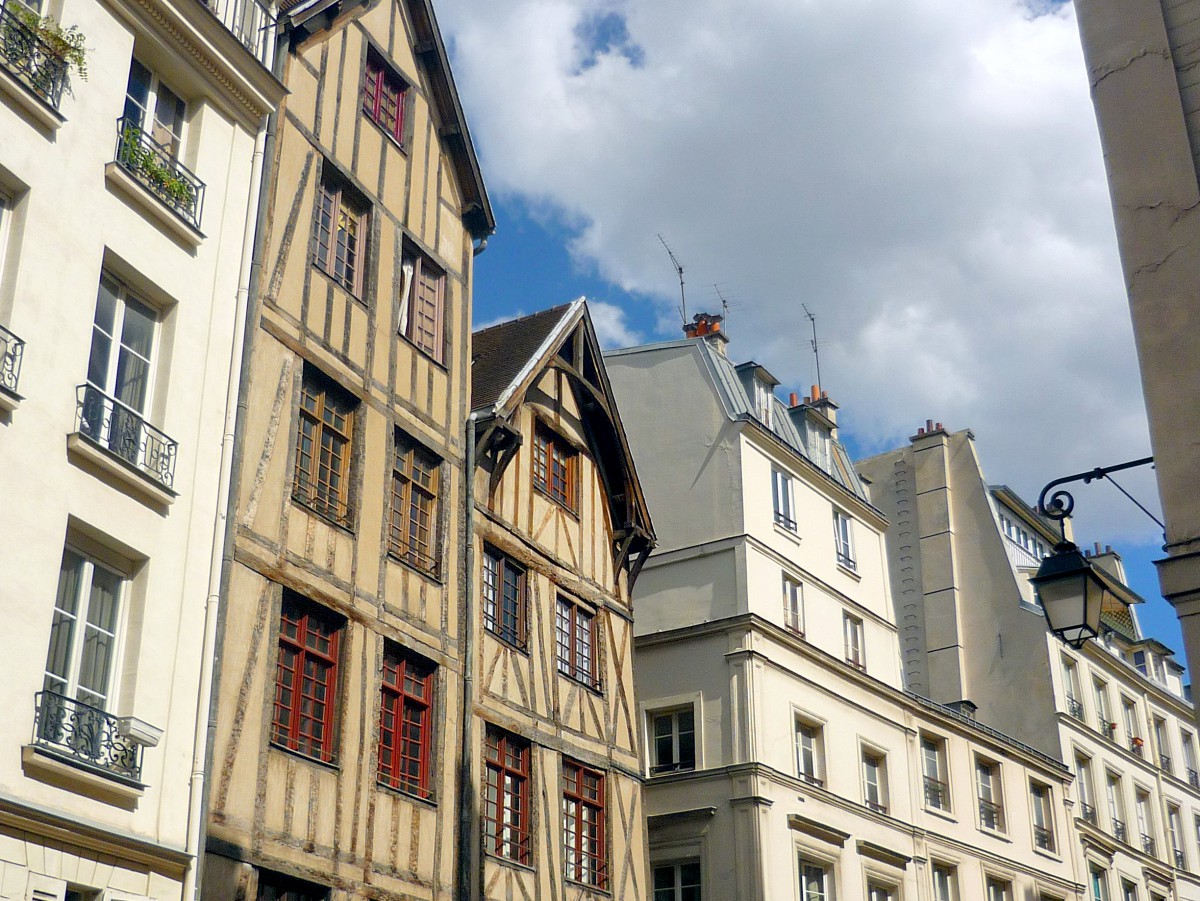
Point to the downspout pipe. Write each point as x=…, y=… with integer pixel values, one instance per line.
x=232, y=441
x=467, y=846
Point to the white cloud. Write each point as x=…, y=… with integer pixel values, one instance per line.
x=612, y=325
x=925, y=176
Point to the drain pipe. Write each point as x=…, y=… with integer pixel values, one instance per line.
x=230, y=473
x=466, y=780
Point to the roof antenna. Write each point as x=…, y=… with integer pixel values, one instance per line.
x=724, y=305
x=678, y=269
x=816, y=352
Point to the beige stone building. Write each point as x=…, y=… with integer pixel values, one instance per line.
x=336, y=759
x=1141, y=57
x=960, y=554
x=127, y=205
x=785, y=759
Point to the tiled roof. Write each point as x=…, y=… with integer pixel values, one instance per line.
x=499, y=353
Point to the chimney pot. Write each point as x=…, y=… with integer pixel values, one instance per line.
x=929, y=425
x=1108, y=549
x=824, y=394
x=793, y=400
x=816, y=393
x=920, y=431
x=939, y=426
x=1096, y=546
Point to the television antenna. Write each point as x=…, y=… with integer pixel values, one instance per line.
x=815, y=347
x=678, y=269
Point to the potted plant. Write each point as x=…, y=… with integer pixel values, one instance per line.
x=62, y=45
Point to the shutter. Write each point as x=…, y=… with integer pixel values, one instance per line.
x=45, y=888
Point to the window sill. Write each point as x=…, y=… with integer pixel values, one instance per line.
x=166, y=218
x=9, y=400
x=138, y=484
x=941, y=814
x=588, y=887
x=399, y=557
x=847, y=571
x=509, y=862
x=330, y=765
x=790, y=534
x=324, y=517
x=597, y=690
x=40, y=764
x=1050, y=855
x=440, y=364
x=995, y=833
x=395, y=142
x=511, y=645
x=337, y=283
x=676, y=771
x=32, y=107
x=552, y=499
x=406, y=795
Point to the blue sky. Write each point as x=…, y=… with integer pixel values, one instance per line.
x=926, y=177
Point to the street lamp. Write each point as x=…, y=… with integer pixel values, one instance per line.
x=1072, y=590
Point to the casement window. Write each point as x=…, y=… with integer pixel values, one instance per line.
x=323, y=446
x=933, y=771
x=1129, y=890
x=1099, y=883
x=878, y=892
x=1175, y=836
x=1163, y=744
x=1071, y=689
x=991, y=795
x=275, y=887
x=1104, y=720
x=120, y=372
x=874, y=776
x=1116, y=805
x=673, y=740
x=154, y=109
x=998, y=889
x=506, y=796
x=1040, y=797
x=306, y=678
x=504, y=598
x=1188, y=741
x=1145, y=820
x=852, y=636
x=384, y=94
x=945, y=882
x=677, y=881
x=576, y=638
x=1133, y=733
x=416, y=489
x=764, y=402
x=555, y=467
x=1083, y=785
x=793, y=605
x=423, y=304
x=340, y=234
x=783, y=500
x=809, y=752
x=816, y=881
x=843, y=537
x=406, y=722
x=583, y=825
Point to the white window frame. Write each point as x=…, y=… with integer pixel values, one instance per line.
x=6, y=214
x=150, y=122
x=817, y=878
x=873, y=766
x=1114, y=792
x=1175, y=831
x=946, y=887
x=1103, y=709
x=854, y=640
x=1099, y=883
x=933, y=758
x=672, y=712
x=989, y=788
x=879, y=891
x=1143, y=811
x=764, y=403
x=810, y=763
x=123, y=296
x=793, y=604
x=1042, y=813
x=783, y=499
x=997, y=888
x=843, y=539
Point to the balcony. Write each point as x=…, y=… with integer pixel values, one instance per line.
x=247, y=20
x=1075, y=708
x=1193, y=778
x=936, y=793
x=813, y=779
x=1088, y=813
x=1120, y=833
x=86, y=736
x=12, y=350
x=1180, y=860
x=1164, y=761
x=122, y=433
x=33, y=62
x=155, y=168
x=876, y=806
x=845, y=560
x=1148, y=844
x=991, y=816
x=1137, y=746
x=785, y=521
x=1043, y=839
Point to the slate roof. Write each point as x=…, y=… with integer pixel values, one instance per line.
x=499, y=353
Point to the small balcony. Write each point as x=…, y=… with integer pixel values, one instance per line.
x=1164, y=761
x=785, y=521
x=154, y=167
x=249, y=21
x=991, y=816
x=34, y=62
x=936, y=794
x=844, y=559
x=813, y=779
x=1120, y=833
x=124, y=434
x=1137, y=746
x=1043, y=839
x=1088, y=813
x=876, y=806
x=12, y=350
x=1147, y=844
x=1180, y=860
x=86, y=736
x=1075, y=708
x=1193, y=778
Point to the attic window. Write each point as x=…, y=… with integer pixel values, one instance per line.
x=383, y=96
x=555, y=467
x=764, y=397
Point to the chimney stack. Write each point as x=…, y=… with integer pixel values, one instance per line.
x=707, y=325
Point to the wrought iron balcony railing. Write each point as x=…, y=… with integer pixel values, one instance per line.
x=813, y=779
x=85, y=735
x=936, y=793
x=1075, y=708
x=1137, y=747
x=1164, y=761
x=1120, y=833
x=34, y=62
x=782, y=519
x=12, y=349
x=991, y=816
x=1148, y=844
x=844, y=559
x=1193, y=778
x=876, y=806
x=1088, y=813
x=124, y=433
x=249, y=21
x=1180, y=859
x=1043, y=838
x=156, y=167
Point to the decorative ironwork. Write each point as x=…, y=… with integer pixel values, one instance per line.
x=1148, y=844
x=936, y=793
x=1180, y=860
x=85, y=735
x=156, y=167
x=1043, y=838
x=247, y=20
x=782, y=519
x=1088, y=813
x=1058, y=506
x=124, y=433
x=12, y=350
x=812, y=779
x=1075, y=708
x=844, y=559
x=1119, y=831
x=991, y=816
x=35, y=63
x=1193, y=778
x=876, y=806
x=1164, y=761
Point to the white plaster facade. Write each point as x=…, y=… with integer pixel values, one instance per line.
x=111, y=454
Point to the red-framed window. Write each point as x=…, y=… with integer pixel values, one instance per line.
x=506, y=796
x=406, y=722
x=583, y=824
x=340, y=236
x=576, y=640
x=416, y=485
x=555, y=467
x=383, y=96
x=504, y=597
x=306, y=678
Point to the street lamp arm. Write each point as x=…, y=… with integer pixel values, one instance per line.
x=1058, y=506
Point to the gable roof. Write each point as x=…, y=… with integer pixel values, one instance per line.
x=501, y=352
x=445, y=105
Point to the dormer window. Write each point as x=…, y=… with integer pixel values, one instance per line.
x=764, y=398
x=759, y=386
x=819, y=443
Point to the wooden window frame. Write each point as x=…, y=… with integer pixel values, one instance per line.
x=672, y=715
x=313, y=673
x=575, y=660
x=385, y=96
x=504, y=618
x=585, y=837
x=423, y=305
x=416, y=496
x=340, y=234
x=324, y=444
x=406, y=699
x=506, y=814
x=555, y=467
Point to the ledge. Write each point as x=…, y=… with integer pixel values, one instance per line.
x=882, y=854
x=149, y=202
x=847, y=571
x=45, y=766
x=817, y=830
x=9, y=401
x=29, y=104
x=134, y=480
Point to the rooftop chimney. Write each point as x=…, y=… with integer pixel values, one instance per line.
x=707, y=325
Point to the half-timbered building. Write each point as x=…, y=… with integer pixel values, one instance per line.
x=560, y=529
x=335, y=765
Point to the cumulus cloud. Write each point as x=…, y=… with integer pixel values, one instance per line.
x=925, y=176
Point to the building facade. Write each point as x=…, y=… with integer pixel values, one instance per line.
x=961, y=553
x=129, y=173
x=336, y=761
x=784, y=757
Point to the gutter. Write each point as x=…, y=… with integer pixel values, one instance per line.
x=232, y=441
x=466, y=776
